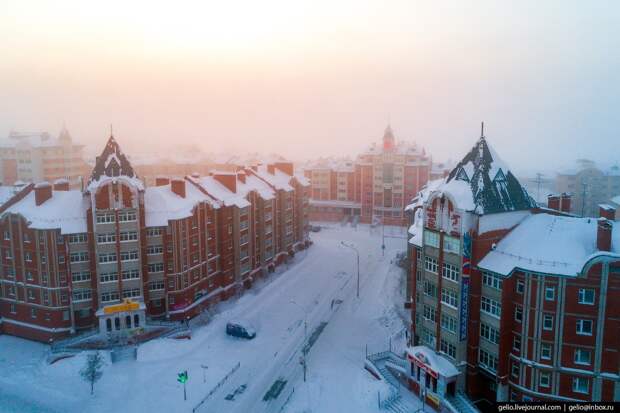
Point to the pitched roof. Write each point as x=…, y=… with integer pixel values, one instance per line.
x=485, y=184
x=548, y=244
x=112, y=164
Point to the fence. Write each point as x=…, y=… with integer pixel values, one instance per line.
x=217, y=387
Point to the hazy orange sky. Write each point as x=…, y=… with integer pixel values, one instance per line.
x=318, y=78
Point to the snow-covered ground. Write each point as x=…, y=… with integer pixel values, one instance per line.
x=319, y=286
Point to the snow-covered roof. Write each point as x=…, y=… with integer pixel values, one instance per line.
x=483, y=183
x=616, y=200
x=7, y=192
x=502, y=220
x=65, y=210
x=436, y=362
x=163, y=205
x=548, y=244
x=112, y=164
x=253, y=183
x=278, y=179
x=221, y=192
x=425, y=193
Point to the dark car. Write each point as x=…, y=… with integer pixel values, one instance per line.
x=240, y=329
x=315, y=228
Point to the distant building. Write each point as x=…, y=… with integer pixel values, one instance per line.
x=373, y=188
x=37, y=157
x=590, y=186
x=120, y=252
x=509, y=301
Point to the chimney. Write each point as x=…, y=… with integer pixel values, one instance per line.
x=553, y=202
x=607, y=212
x=565, y=202
x=271, y=169
x=161, y=181
x=61, y=185
x=228, y=180
x=42, y=192
x=603, y=234
x=286, y=167
x=178, y=187
x=241, y=176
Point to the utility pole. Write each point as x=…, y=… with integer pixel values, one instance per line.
x=357, y=253
x=383, y=234
x=583, y=198
x=204, y=372
x=538, y=183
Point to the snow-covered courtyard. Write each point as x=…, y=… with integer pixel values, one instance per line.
x=318, y=287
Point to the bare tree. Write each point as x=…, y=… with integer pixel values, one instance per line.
x=92, y=371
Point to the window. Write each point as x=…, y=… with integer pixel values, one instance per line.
x=490, y=306
x=514, y=370
x=106, y=238
x=243, y=239
x=547, y=322
x=545, y=351
x=549, y=293
x=544, y=379
x=28, y=256
x=77, y=238
x=430, y=289
x=126, y=216
x=109, y=296
x=33, y=313
x=79, y=256
x=156, y=285
x=129, y=255
x=127, y=236
x=13, y=309
x=130, y=274
x=430, y=264
x=105, y=258
x=29, y=276
x=448, y=348
x=153, y=232
x=8, y=254
x=154, y=249
x=520, y=287
x=429, y=313
x=448, y=297
x=78, y=276
x=431, y=239
x=487, y=360
x=450, y=272
x=584, y=327
x=586, y=296
x=448, y=323
x=244, y=225
x=580, y=385
x=26, y=237
x=156, y=267
x=451, y=244
x=583, y=356
x=108, y=277
x=429, y=338
x=489, y=333
x=134, y=292
x=60, y=239
x=516, y=343
x=492, y=281
x=81, y=295
x=30, y=295
x=7, y=235
x=245, y=267
x=61, y=259
x=518, y=314
x=105, y=218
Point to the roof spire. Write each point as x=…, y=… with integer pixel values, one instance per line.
x=111, y=131
x=482, y=130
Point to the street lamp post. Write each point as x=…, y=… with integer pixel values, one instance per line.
x=303, y=349
x=357, y=253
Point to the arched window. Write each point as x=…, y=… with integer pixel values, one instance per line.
x=108, y=324
x=128, y=321
x=117, y=323
x=136, y=320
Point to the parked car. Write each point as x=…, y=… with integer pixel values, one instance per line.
x=315, y=228
x=240, y=328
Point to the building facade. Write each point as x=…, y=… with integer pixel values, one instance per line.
x=590, y=186
x=119, y=252
x=374, y=188
x=516, y=298
x=38, y=157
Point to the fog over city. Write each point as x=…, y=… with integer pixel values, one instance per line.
x=320, y=78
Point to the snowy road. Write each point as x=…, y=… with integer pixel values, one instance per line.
x=318, y=278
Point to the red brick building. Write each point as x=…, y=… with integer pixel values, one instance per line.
x=119, y=252
x=518, y=299
x=374, y=188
